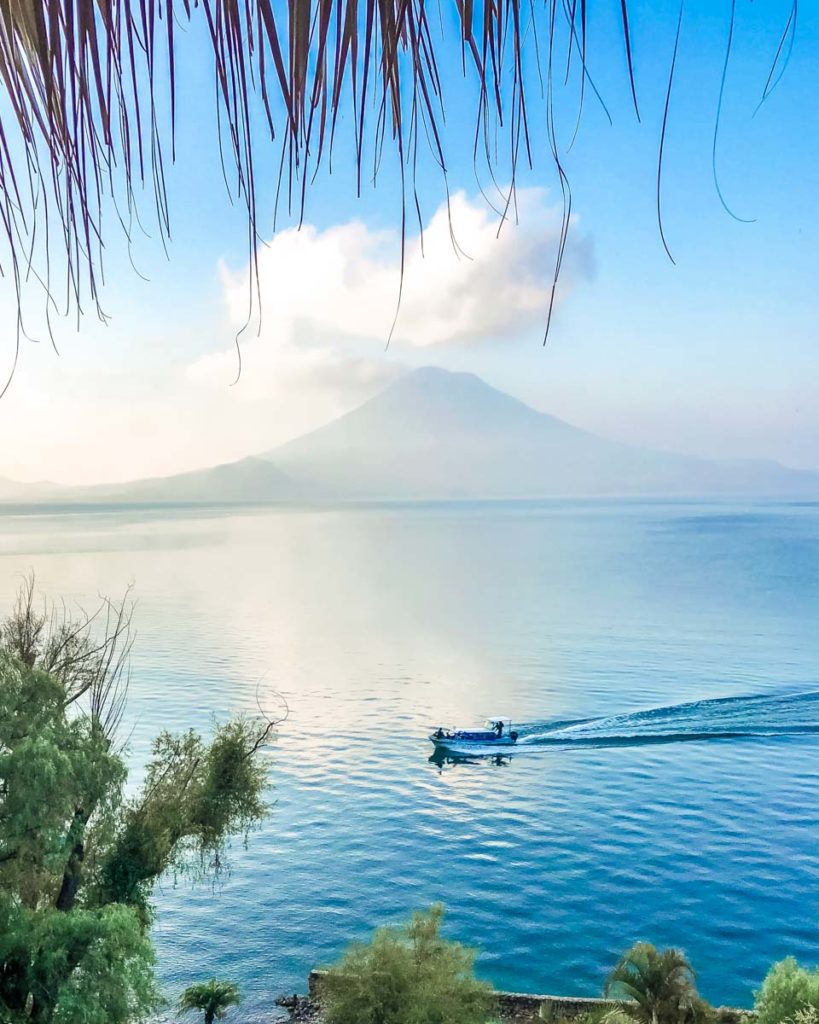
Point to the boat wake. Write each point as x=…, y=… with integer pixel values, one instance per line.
x=725, y=718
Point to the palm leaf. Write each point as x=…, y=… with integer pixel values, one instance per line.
x=212, y=998
x=653, y=986
x=88, y=83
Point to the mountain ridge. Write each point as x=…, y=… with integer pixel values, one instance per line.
x=455, y=436
x=439, y=435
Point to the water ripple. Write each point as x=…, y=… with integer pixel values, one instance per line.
x=613, y=630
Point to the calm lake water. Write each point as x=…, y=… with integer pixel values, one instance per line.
x=696, y=826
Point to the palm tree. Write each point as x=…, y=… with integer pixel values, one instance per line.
x=212, y=998
x=655, y=987
x=89, y=89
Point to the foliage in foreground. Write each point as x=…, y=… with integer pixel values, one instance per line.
x=598, y=1015
x=407, y=975
x=285, y=72
x=211, y=998
x=701, y=1013
x=787, y=991
x=807, y=1015
x=657, y=987
x=79, y=859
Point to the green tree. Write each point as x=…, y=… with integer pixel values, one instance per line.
x=787, y=991
x=406, y=975
x=657, y=987
x=211, y=998
x=79, y=859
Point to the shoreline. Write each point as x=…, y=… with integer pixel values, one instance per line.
x=513, y=1007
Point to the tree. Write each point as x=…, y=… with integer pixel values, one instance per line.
x=78, y=860
x=406, y=975
x=90, y=92
x=212, y=998
x=787, y=991
x=656, y=987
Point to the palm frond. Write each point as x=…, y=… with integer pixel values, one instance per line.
x=90, y=106
x=652, y=985
x=212, y=998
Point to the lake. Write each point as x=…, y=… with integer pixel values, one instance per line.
x=660, y=660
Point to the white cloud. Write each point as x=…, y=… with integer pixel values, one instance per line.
x=105, y=412
x=326, y=292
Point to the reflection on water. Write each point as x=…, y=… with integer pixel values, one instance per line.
x=449, y=759
x=376, y=623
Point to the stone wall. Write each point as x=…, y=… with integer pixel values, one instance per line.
x=520, y=1007
x=513, y=1006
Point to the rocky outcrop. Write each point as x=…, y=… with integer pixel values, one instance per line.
x=300, y=1009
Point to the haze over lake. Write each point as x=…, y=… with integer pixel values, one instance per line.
x=434, y=435
x=693, y=825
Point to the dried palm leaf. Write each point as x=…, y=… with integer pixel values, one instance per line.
x=88, y=83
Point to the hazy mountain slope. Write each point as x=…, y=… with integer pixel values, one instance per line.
x=13, y=490
x=435, y=434
x=250, y=479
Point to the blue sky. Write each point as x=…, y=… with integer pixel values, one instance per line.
x=715, y=355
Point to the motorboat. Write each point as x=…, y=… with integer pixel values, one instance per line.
x=496, y=732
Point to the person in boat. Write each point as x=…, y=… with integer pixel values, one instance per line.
x=499, y=729
x=439, y=735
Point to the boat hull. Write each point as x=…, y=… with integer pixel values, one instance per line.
x=470, y=740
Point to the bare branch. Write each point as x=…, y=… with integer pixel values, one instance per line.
x=22, y=632
x=268, y=723
x=88, y=653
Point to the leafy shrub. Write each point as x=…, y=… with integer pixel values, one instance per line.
x=807, y=1015
x=79, y=858
x=787, y=991
x=407, y=975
